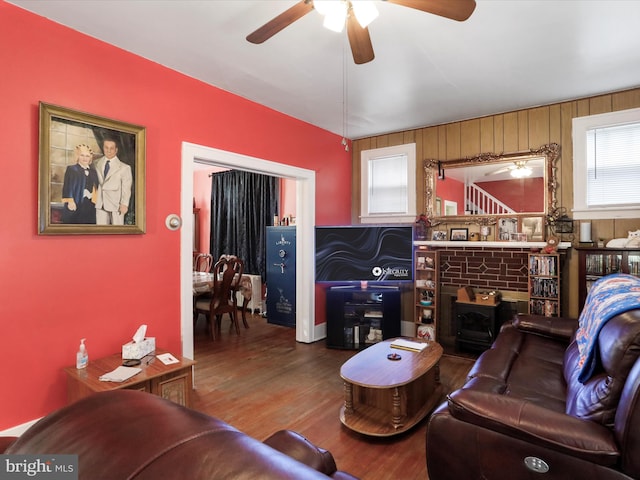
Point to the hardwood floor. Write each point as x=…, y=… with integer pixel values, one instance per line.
x=263, y=381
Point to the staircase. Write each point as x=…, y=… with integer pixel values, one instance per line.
x=478, y=201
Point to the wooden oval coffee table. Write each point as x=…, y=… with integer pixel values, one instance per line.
x=385, y=397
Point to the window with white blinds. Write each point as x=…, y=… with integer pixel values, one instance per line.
x=388, y=186
x=613, y=165
x=607, y=165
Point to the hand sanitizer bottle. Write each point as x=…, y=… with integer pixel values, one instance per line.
x=82, y=357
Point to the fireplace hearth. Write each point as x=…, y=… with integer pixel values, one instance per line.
x=477, y=325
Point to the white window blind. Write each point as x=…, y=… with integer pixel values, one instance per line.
x=388, y=185
x=613, y=166
x=606, y=165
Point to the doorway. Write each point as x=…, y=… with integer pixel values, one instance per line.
x=306, y=330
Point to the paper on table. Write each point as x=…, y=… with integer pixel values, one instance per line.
x=409, y=345
x=120, y=374
x=167, y=358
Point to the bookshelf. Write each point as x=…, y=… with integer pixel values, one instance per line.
x=426, y=292
x=595, y=263
x=544, y=284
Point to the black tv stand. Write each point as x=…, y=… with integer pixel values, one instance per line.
x=352, y=287
x=359, y=317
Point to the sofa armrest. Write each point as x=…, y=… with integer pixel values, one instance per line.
x=558, y=327
x=299, y=448
x=534, y=424
x=5, y=442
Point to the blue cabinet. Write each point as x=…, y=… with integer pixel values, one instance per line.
x=281, y=276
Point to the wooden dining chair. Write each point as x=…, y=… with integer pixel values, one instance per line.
x=246, y=290
x=203, y=262
x=221, y=300
x=241, y=284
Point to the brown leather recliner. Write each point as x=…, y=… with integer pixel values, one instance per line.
x=125, y=434
x=522, y=414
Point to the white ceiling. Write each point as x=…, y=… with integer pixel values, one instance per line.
x=428, y=70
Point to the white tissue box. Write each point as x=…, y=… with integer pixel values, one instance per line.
x=135, y=351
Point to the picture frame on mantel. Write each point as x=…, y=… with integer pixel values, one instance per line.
x=533, y=227
x=459, y=234
x=76, y=194
x=439, y=235
x=506, y=226
x=518, y=237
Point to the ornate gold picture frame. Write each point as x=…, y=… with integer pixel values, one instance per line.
x=91, y=174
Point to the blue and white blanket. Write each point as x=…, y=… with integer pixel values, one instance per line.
x=608, y=297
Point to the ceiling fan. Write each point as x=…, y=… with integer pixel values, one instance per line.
x=519, y=169
x=347, y=11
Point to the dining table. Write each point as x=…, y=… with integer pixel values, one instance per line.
x=202, y=283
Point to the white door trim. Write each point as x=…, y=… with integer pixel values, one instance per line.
x=306, y=330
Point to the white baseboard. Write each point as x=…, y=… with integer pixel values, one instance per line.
x=320, y=331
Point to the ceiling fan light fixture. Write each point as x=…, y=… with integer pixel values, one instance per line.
x=334, y=13
x=521, y=172
x=323, y=7
x=365, y=11
x=356, y=15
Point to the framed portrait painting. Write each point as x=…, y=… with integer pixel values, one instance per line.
x=91, y=176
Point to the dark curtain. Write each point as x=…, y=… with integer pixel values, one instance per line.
x=242, y=205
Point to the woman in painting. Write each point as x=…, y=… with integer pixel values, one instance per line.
x=80, y=188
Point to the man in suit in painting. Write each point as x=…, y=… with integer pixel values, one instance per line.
x=114, y=191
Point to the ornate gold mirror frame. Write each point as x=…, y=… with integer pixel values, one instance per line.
x=432, y=168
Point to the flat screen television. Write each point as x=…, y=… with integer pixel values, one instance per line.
x=373, y=253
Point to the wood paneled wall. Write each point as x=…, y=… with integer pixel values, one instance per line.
x=512, y=132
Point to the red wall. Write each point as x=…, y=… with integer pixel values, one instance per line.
x=55, y=290
x=517, y=193
x=202, y=199
x=453, y=190
x=522, y=194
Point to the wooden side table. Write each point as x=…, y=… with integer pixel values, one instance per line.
x=173, y=382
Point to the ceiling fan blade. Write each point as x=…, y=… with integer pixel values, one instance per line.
x=458, y=10
x=280, y=22
x=360, y=41
x=501, y=170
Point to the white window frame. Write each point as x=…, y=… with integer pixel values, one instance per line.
x=366, y=158
x=581, y=211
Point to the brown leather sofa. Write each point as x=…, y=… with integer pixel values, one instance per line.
x=126, y=434
x=522, y=414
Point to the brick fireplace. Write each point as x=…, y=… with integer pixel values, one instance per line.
x=483, y=266
x=486, y=268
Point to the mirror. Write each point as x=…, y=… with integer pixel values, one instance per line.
x=481, y=189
